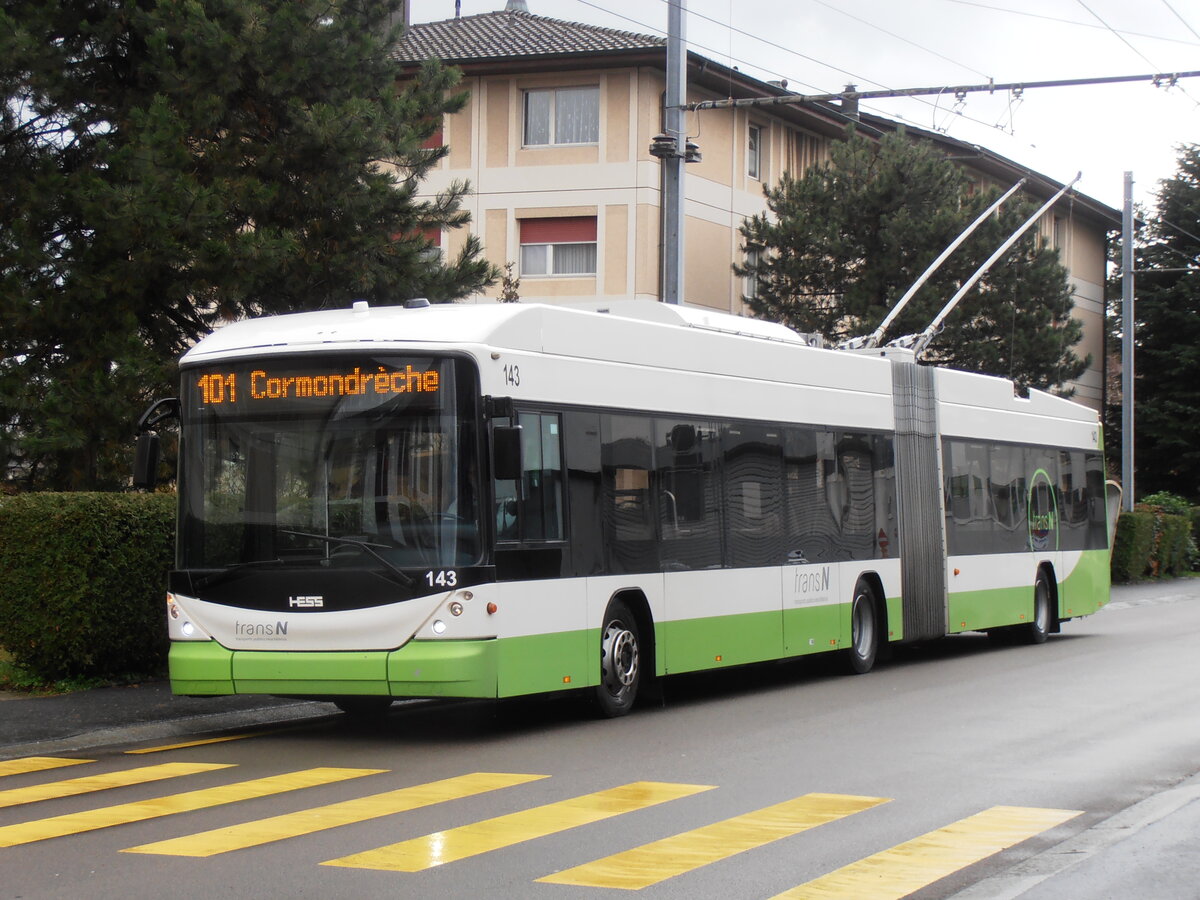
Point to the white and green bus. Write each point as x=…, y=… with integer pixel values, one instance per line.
x=510, y=499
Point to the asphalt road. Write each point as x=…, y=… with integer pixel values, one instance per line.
x=1075, y=757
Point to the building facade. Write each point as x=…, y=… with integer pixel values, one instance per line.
x=555, y=141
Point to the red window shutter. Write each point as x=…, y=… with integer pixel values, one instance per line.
x=434, y=236
x=563, y=230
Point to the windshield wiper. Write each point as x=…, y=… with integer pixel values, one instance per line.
x=235, y=570
x=355, y=542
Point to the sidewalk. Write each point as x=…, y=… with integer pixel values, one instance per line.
x=37, y=725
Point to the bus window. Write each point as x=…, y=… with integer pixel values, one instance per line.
x=626, y=516
x=752, y=462
x=688, y=495
x=533, y=510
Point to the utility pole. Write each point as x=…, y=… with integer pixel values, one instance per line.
x=1127, y=425
x=672, y=164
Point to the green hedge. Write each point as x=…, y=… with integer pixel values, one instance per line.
x=1151, y=542
x=1133, y=545
x=82, y=580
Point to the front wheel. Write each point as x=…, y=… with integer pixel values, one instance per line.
x=864, y=630
x=620, y=661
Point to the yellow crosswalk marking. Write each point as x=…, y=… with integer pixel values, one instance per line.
x=910, y=866
x=76, y=823
x=649, y=864
x=276, y=828
x=37, y=764
x=505, y=831
x=71, y=787
x=198, y=743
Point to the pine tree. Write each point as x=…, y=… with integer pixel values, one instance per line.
x=170, y=166
x=842, y=243
x=1167, y=337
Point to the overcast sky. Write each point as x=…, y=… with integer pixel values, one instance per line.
x=822, y=45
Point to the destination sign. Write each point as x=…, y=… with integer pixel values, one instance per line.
x=262, y=384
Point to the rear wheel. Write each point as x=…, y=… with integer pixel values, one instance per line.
x=1035, y=632
x=620, y=661
x=864, y=630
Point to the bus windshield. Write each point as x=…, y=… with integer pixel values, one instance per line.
x=361, y=461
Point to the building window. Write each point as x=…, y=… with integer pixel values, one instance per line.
x=754, y=152
x=562, y=116
x=559, y=246
x=750, y=282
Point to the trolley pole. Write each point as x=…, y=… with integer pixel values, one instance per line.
x=1127, y=425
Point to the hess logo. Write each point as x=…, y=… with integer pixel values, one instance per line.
x=306, y=601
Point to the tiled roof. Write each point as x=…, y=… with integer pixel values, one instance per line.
x=513, y=34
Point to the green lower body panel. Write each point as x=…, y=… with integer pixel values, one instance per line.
x=418, y=669
x=1087, y=588
x=714, y=642
x=980, y=610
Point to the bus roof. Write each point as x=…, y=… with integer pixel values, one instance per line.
x=642, y=333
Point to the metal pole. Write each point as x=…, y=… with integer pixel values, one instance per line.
x=672, y=197
x=1127, y=346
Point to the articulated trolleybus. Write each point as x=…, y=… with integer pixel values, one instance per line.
x=502, y=500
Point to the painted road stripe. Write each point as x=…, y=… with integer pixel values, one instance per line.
x=910, y=866
x=37, y=764
x=505, y=831
x=199, y=743
x=649, y=864
x=77, y=823
x=277, y=828
x=220, y=739
x=71, y=787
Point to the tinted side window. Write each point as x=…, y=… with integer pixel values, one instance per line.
x=970, y=509
x=533, y=510
x=626, y=506
x=752, y=457
x=687, y=494
x=1009, y=489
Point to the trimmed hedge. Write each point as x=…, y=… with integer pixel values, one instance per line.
x=1132, y=545
x=82, y=580
x=1151, y=542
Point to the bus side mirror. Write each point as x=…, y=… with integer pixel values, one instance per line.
x=506, y=452
x=145, y=461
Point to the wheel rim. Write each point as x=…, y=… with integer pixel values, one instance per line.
x=863, y=636
x=618, y=658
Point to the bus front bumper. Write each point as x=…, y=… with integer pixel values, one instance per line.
x=418, y=669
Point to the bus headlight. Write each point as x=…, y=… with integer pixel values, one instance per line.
x=180, y=626
x=439, y=627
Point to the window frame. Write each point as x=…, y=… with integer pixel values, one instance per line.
x=544, y=239
x=551, y=124
x=755, y=133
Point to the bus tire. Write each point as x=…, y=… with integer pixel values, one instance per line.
x=864, y=630
x=1035, y=631
x=620, y=661
x=364, y=707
